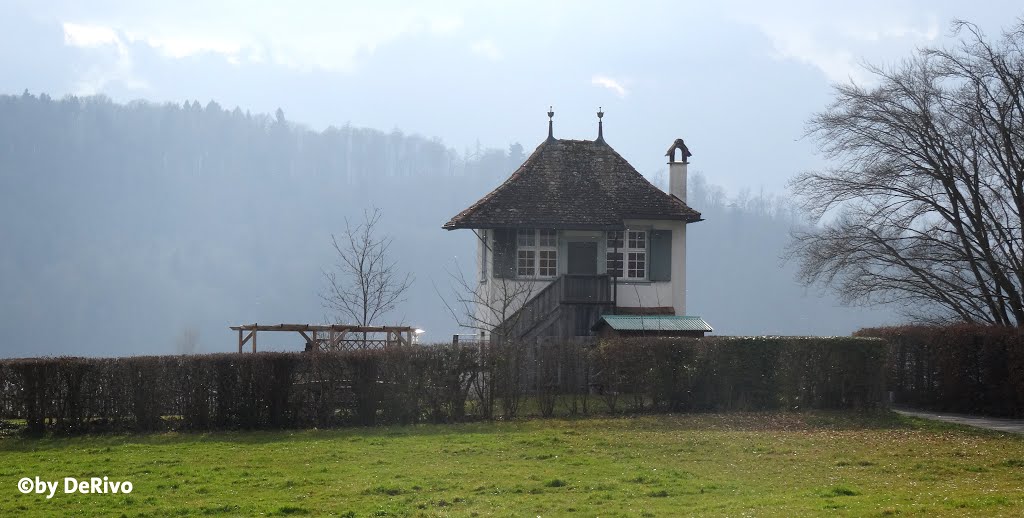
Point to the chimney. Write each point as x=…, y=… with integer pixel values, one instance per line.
x=677, y=188
x=677, y=170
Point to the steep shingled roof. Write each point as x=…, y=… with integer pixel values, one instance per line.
x=581, y=184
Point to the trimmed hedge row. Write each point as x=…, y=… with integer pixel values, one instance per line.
x=961, y=368
x=439, y=383
x=235, y=391
x=747, y=373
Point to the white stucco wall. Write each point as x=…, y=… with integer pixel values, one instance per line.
x=679, y=269
x=635, y=294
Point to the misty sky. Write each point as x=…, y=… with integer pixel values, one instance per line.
x=737, y=80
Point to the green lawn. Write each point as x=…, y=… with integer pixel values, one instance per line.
x=736, y=465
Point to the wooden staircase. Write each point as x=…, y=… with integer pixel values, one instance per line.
x=568, y=307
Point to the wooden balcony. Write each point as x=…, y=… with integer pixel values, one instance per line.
x=585, y=289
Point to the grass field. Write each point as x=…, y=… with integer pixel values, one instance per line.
x=677, y=465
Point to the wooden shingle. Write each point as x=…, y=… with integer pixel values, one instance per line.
x=573, y=184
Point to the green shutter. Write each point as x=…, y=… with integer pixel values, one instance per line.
x=504, y=253
x=661, y=255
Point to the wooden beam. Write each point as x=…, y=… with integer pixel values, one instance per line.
x=324, y=327
x=334, y=335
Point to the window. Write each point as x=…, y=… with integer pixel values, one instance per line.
x=631, y=246
x=614, y=254
x=536, y=252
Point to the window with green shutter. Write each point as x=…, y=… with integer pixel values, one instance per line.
x=504, y=253
x=661, y=255
x=626, y=256
x=536, y=252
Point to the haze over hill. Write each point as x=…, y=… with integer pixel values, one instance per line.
x=127, y=225
x=737, y=79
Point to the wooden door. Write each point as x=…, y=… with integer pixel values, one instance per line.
x=582, y=258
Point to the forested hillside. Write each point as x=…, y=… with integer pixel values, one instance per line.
x=125, y=225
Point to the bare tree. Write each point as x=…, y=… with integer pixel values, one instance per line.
x=365, y=283
x=188, y=341
x=925, y=205
x=491, y=307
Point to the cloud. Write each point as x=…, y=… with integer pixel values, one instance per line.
x=185, y=46
x=836, y=40
x=609, y=83
x=894, y=31
x=102, y=39
x=837, y=64
x=332, y=36
x=486, y=48
x=309, y=35
x=445, y=24
x=89, y=36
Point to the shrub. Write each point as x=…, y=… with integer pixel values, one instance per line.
x=743, y=373
x=959, y=368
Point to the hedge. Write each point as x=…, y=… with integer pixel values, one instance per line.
x=439, y=383
x=746, y=373
x=963, y=368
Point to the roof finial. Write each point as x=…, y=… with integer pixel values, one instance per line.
x=551, y=115
x=600, y=125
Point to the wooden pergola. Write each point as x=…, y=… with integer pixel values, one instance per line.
x=333, y=337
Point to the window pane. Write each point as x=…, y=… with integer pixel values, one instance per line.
x=526, y=237
x=614, y=240
x=614, y=264
x=548, y=237
x=637, y=265
x=638, y=240
x=548, y=263
x=526, y=260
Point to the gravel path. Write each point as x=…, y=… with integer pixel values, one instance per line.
x=990, y=423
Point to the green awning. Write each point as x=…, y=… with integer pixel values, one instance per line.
x=654, y=323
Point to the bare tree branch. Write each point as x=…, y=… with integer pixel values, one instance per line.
x=492, y=306
x=925, y=203
x=365, y=284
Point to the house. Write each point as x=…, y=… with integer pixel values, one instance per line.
x=576, y=233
